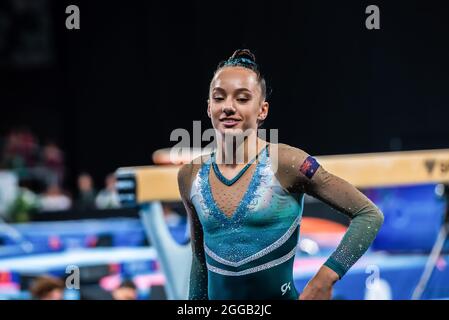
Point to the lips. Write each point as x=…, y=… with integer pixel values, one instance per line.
x=230, y=122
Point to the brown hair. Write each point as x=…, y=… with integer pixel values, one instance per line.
x=43, y=285
x=246, y=59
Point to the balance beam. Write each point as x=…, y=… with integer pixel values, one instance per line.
x=370, y=170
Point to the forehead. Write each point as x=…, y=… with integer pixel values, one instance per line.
x=234, y=78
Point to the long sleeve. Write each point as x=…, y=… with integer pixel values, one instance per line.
x=366, y=219
x=198, y=284
x=198, y=274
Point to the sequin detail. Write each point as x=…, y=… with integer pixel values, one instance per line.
x=208, y=201
x=262, y=267
x=223, y=179
x=258, y=254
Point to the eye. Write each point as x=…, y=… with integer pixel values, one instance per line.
x=242, y=99
x=218, y=99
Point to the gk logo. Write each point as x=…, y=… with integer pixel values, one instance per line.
x=285, y=287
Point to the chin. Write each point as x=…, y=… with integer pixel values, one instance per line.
x=235, y=131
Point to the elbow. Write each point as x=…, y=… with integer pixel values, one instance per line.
x=371, y=216
x=379, y=218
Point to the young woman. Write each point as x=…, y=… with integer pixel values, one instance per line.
x=245, y=217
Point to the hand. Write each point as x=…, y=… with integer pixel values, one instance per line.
x=321, y=285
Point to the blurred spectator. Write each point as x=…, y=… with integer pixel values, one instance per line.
x=172, y=218
x=108, y=197
x=47, y=288
x=126, y=291
x=53, y=161
x=39, y=166
x=86, y=193
x=54, y=199
x=9, y=189
x=20, y=151
x=25, y=203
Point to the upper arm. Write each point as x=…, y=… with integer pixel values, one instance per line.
x=198, y=287
x=185, y=174
x=311, y=178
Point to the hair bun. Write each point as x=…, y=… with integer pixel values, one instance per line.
x=243, y=53
x=246, y=59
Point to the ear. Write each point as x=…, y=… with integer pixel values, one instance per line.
x=263, y=113
x=208, y=108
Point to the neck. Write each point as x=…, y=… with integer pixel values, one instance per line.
x=234, y=150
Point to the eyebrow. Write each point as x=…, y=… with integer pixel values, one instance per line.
x=237, y=91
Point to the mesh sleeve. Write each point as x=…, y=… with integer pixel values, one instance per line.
x=198, y=283
x=313, y=179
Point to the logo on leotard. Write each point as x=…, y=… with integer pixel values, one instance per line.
x=309, y=167
x=285, y=287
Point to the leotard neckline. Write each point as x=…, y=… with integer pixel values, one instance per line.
x=230, y=182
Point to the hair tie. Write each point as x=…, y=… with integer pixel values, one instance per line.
x=239, y=60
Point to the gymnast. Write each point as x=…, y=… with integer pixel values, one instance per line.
x=245, y=217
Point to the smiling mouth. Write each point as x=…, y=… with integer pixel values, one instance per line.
x=229, y=123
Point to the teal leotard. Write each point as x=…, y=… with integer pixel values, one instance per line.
x=250, y=254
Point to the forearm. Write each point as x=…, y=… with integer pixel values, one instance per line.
x=313, y=179
x=361, y=233
x=198, y=280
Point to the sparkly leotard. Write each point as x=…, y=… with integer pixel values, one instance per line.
x=250, y=254
x=245, y=231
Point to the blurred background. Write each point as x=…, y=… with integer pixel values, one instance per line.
x=75, y=105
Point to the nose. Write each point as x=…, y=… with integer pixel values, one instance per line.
x=228, y=109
